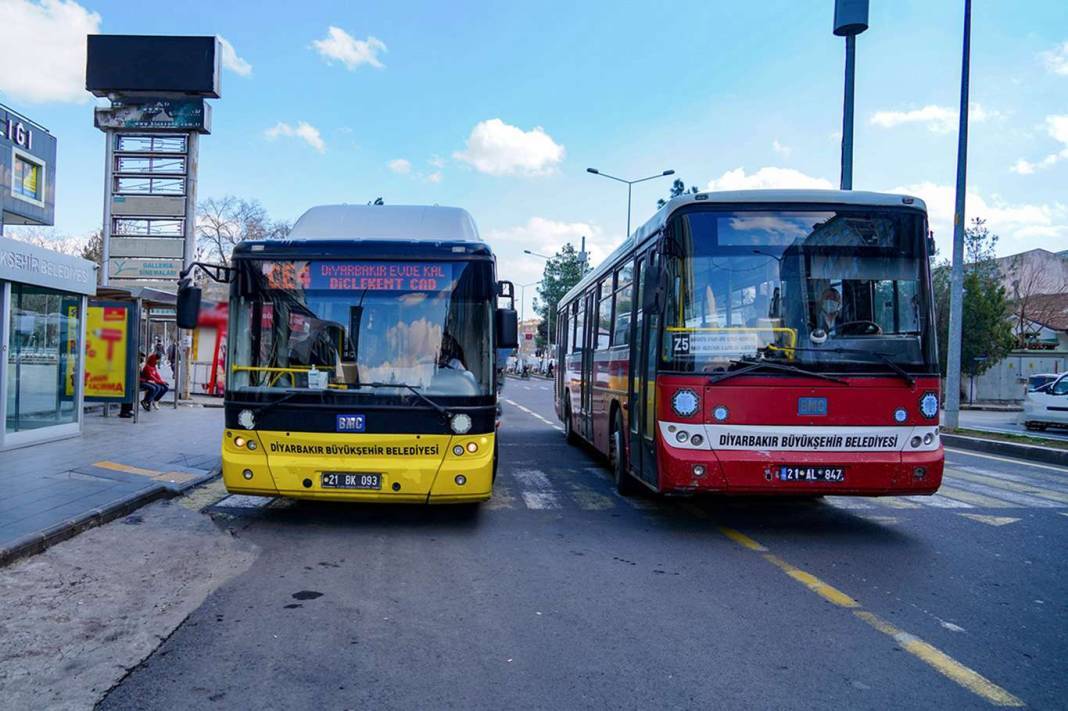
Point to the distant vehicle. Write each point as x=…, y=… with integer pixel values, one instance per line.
x=1047, y=405
x=1038, y=380
x=760, y=342
x=363, y=358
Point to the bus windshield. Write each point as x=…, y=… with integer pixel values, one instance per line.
x=838, y=290
x=345, y=325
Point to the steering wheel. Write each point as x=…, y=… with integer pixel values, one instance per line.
x=858, y=328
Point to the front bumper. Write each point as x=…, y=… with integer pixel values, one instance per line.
x=413, y=468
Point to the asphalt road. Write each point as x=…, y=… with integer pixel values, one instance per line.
x=561, y=595
x=1006, y=423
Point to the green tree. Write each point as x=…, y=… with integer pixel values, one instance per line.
x=987, y=335
x=562, y=271
x=677, y=188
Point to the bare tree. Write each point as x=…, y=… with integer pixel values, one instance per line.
x=48, y=238
x=223, y=222
x=1035, y=297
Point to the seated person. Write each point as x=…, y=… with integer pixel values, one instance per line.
x=152, y=383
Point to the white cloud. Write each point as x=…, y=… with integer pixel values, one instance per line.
x=437, y=161
x=42, y=54
x=341, y=46
x=231, y=61
x=1056, y=59
x=304, y=131
x=498, y=148
x=938, y=119
x=782, y=150
x=1057, y=128
x=400, y=166
x=1021, y=226
x=768, y=177
x=434, y=177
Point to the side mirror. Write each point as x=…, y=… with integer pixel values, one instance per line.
x=507, y=328
x=188, y=308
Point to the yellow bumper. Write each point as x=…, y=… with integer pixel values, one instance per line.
x=413, y=468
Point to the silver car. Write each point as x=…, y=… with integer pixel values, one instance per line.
x=1046, y=405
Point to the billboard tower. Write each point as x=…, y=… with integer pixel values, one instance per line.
x=157, y=86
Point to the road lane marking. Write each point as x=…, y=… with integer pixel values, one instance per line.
x=740, y=538
x=974, y=499
x=847, y=503
x=941, y=662
x=938, y=501
x=1017, y=462
x=827, y=592
x=532, y=478
x=1012, y=486
x=1003, y=493
x=540, y=500
x=990, y=520
x=938, y=660
x=897, y=502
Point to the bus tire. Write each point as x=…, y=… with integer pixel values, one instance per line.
x=569, y=428
x=626, y=485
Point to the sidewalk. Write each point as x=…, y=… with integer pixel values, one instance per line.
x=52, y=491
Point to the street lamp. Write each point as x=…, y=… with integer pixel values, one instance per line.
x=850, y=19
x=629, y=183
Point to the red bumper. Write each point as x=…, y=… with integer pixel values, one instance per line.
x=751, y=472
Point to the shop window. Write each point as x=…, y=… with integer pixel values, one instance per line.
x=27, y=178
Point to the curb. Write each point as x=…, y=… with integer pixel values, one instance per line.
x=34, y=543
x=1031, y=452
x=38, y=542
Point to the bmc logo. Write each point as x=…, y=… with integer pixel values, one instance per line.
x=351, y=423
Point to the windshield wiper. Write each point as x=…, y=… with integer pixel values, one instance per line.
x=414, y=390
x=758, y=364
x=884, y=357
x=260, y=409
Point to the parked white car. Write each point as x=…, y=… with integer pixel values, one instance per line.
x=1047, y=405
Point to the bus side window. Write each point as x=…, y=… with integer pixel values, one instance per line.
x=622, y=305
x=604, y=320
x=580, y=325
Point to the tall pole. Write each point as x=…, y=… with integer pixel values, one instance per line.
x=629, y=186
x=956, y=278
x=847, y=113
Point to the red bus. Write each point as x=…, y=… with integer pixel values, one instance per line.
x=760, y=342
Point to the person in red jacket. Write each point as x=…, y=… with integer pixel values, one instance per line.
x=152, y=382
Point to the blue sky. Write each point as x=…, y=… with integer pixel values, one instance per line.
x=500, y=107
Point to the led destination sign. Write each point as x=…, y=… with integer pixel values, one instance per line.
x=359, y=276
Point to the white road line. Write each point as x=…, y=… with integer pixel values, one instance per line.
x=1017, y=462
x=847, y=503
x=1022, y=499
x=540, y=500
x=1037, y=480
x=939, y=502
x=532, y=478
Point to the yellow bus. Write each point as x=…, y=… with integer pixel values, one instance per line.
x=361, y=357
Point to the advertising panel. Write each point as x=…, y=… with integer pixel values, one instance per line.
x=130, y=268
x=178, y=114
x=110, y=360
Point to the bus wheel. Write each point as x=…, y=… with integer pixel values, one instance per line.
x=572, y=437
x=617, y=458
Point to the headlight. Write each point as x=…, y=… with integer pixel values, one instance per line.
x=682, y=435
x=900, y=415
x=239, y=441
x=246, y=419
x=252, y=444
x=460, y=424
x=458, y=450
x=685, y=402
x=928, y=438
x=929, y=406
x=696, y=440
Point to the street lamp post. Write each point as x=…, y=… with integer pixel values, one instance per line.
x=629, y=183
x=850, y=19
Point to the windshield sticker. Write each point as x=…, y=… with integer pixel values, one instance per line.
x=381, y=276
x=705, y=344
